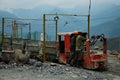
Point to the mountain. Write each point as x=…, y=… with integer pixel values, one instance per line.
x=104, y=19
x=107, y=13
x=113, y=43
x=28, y=13
x=110, y=28
x=107, y=22
x=36, y=12
x=7, y=14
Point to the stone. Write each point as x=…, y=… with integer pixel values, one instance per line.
x=20, y=56
x=118, y=56
x=53, y=64
x=38, y=64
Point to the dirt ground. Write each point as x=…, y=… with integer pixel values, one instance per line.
x=113, y=65
x=36, y=70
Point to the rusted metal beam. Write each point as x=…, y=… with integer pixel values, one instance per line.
x=68, y=14
x=88, y=26
x=2, y=31
x=44, y=38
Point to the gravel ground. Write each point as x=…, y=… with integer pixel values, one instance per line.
x=113, y=65
x=35, y=70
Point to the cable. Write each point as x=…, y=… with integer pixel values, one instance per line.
x=106, y=17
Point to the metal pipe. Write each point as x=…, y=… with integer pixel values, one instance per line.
x=21, y=33
x=29, y=31
x=44, y=39
x=68, y=14
x=23, y=19
x=89, y=19
x=88, y=26
x=14, y=29
x=28, y=19
x=2, y=31
x=56, y=28
x=89, y=7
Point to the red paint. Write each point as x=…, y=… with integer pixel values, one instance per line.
x=90, y=61
x=67, y=43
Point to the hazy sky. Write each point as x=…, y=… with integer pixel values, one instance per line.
x=29, y=4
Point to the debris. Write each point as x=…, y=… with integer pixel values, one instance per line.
x=20, y=57
x=53, y=64
x=84, y=76
x=5, y=57
x=38, y=64
x=0, y=57
x=31, y=61
x=118, y=56
x=67, y=69
x=114, y=52
x=47, y=72
x=74, y=76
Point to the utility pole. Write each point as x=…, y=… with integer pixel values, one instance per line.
x=44, y=38
x=14, y=29
x=21, y=32
x=56, y=23
x=56, y=28
x=89, y=19
x=3, y=20
x=88, y=26
x=29, y=31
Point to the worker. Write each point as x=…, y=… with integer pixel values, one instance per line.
x=72, y=59
x=24, y=47
x=79, y=48
x=72, y=48
x=11, y=43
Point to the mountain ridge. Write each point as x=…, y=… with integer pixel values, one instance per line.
x=100, y=21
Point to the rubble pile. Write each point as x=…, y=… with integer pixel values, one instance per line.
x=16, y=55
x=24, y=68
x=29, y=64
x=118, y=56
x=114, y=62
x=36, y=70
x=115, y=53
x=21, y=56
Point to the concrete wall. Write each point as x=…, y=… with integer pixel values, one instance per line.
x=32, y=45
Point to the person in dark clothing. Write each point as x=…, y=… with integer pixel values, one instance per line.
x=72, y=49
x=11, y=41
x=79, y=48
x=24, y=47
x=24, y=44
x=72, y=43
x=76, y=47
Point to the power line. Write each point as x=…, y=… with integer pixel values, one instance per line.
x=28, y=19
x=107, y=17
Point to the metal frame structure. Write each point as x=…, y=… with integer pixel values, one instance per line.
x=14, y=19
x=44, y=28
